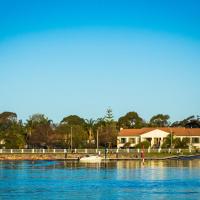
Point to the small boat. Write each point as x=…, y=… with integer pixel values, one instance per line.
x=91, y=159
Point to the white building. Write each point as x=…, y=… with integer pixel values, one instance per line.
x=156, y=136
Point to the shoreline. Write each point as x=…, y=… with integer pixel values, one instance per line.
x=76, y=157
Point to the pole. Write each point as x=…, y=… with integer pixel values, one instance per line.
x=171, y=138
x=71, y=137
x=97, y=139
x=142, y=154
x=105, y=151
x=190, y=145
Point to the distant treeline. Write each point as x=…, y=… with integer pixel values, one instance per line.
x=75, y=132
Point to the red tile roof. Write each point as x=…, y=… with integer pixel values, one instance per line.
x=175, y=131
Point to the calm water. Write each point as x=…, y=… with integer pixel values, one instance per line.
x=115, y=180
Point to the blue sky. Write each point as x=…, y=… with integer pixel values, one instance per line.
x=80, y=57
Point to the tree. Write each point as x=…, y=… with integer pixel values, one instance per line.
x=169, y=141
x=12, y=132
x=8, y=116
x=189, y=122
x=61, y=137
x=109, y=116
x=40, y=136
x=64, y=134
x=6, y=119
x=99, y=124
x=106, y=127
x=79, y=136
x=131, y=120
x=78, y=127
x=71, y=128
x=73, y=120
x=159, y=120
x=36, y=120
x=108, y=135
x=15, y=137
x=90, y=127
x=183, y=144
x=39, y=129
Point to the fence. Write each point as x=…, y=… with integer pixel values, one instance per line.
x=93, y=151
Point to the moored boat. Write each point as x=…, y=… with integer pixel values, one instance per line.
x=89, y=158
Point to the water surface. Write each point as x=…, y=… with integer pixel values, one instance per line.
x=175, y=179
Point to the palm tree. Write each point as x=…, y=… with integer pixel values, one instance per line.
x=89, y=126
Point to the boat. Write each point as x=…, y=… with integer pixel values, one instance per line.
x=91, y=159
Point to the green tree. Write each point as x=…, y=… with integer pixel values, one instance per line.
x=66, y=134
x=131, y=120
x=189, y=122
x=35, y=120
x=12, y=132
x=107, y=130
x=172, y=142
x=72, y=128
x=108, y=135
x=15, y=137
x=90, y=129
x=6, y=119
x=61, y=137
x=72, y=120
x=159, y=120
x=169, y=141
x=109, y=116
x=39, y=130
x=79, y=136
x=182, y=144
x=8, y=116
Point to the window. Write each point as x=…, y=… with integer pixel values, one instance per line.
x=123, y=140
x=195, y=140
x=132, y=140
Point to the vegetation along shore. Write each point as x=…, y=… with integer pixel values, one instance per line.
x=73, y=133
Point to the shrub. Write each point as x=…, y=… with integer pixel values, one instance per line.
x=144, y=144
x=178, y=143
x=127, y=145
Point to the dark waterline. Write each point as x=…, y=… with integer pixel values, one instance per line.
x=175, y=179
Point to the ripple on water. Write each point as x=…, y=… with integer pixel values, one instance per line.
x=114, y=180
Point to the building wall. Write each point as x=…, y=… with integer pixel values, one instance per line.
x=153, y=137
x=127, y=139
x=192, y=138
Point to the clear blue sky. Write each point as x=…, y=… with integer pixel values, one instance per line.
x=61, y=57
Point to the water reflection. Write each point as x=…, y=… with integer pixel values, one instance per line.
x=170, y=179
x=158, y=164
x=103, y=165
